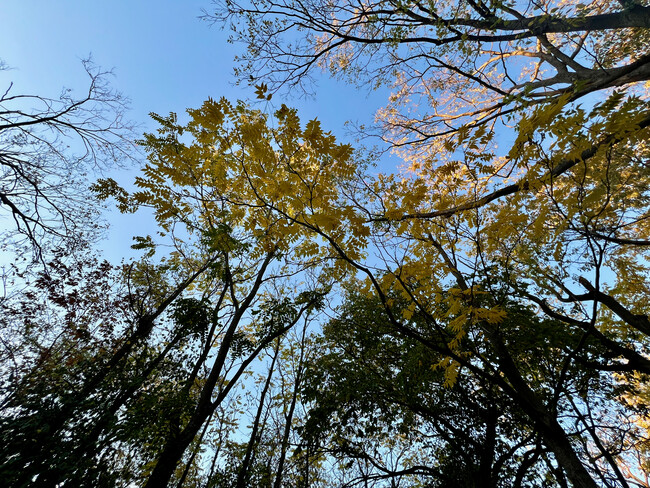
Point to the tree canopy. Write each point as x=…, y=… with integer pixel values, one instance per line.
x=478, y=318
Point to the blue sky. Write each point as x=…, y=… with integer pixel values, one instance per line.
x=164, y=59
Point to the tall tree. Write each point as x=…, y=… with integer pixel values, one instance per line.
x=515, y=177
x=452, y=64
x=82, y=351
x=202, y=182
x=384, y=408
x=47, y=147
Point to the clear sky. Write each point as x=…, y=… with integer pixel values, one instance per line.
x=164, y=59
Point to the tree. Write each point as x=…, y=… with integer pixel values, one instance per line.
x=252, y=206
x=79, y=358
x=271, y=455
x=421, y=271
x=202, y=182
x=384, y=408
x=184, y=327
x=452, y=65
x=47, y=147
x=557, y=219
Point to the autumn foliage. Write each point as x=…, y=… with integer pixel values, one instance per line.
x=478, y=318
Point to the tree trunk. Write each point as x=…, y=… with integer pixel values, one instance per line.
x=242, y=475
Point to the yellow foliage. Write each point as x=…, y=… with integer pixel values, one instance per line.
x=272, y=181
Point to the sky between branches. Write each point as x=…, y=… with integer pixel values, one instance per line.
x=164, y=59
